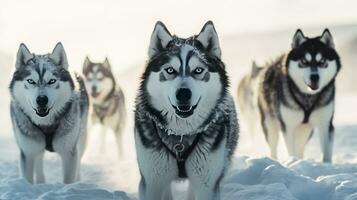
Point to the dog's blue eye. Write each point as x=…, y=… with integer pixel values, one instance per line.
x=198, y=70
x=30, y=81
x=52, y=81
x=170, y=70
x=322, y=61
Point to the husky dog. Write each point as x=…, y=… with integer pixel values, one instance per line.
x=108, y=100
x=296, y=95
x=185, y=120
x=48, y=113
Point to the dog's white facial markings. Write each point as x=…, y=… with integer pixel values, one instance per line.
x=58, y=93
x=328, y=73
x=318, y=57
x=302, y=76
x=308, y=57
x=95, y=68
x=100, y=75
x=90, y=75
x=204, y=93
x=98, y=84
x=104, y=85
x=26, y=92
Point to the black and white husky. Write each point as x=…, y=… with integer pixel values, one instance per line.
x=107, y=99
x=185, y=120
x=48, y=112
x=295, y=95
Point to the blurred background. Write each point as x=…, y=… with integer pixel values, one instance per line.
x=248, y=30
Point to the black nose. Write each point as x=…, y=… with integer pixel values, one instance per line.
x=183, y=95
x=314, y=78
x=94, y=89
x=42, y=100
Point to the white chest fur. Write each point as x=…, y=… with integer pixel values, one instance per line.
x=318, y=117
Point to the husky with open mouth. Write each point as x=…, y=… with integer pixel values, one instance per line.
x=107, y=99
x=185, y=120
x=295, y=95
x=48, y=113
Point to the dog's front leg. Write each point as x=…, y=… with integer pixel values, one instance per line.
x=155, y=189
x=205, y=169
x=102, y=134
x=70, y=163
x=40, y=175
x=322, y=121
x=27, y=163
x=158, y=169
x=326, y=133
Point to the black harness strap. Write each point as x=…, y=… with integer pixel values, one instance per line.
x=181, y=158
x=49, y=133
x=180, y=154
x=309, y=107
x=49, y=139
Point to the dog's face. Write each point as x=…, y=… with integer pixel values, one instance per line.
x=99, y=79
x=184, y=78
x=41, y=84
x=313, y=62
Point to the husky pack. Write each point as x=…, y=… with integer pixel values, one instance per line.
x=107, y=99
x=295, y=95
x=185, y=120
x=49, y=112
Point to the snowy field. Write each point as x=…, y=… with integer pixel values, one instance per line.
x=252, y=175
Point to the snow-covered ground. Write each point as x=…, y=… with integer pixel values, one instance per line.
x=252, y=176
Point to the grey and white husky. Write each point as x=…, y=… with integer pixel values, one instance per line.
x=108, y=100
x=295, y=95
x=48, y=112
x=185, y=120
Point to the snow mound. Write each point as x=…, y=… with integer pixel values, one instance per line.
x=20, y=189
x=248, y=179
x=265, y=179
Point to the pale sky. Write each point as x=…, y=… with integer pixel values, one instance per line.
x=121, y=29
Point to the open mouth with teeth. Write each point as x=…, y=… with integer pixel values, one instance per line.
x=42, y=112
x=185, y=111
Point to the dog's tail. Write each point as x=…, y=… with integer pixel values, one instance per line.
x=82, y=90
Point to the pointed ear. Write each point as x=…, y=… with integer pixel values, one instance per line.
x=58, y=56
x=255, y=69
x=23, y=56
x=160, y=37
x=86, y=64
x=327, y=39
x=298, y=39
x=209, y=39
x=106, y=64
